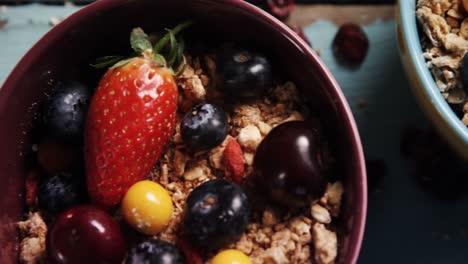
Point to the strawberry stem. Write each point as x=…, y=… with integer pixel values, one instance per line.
x=162, y=43
x=141, y=44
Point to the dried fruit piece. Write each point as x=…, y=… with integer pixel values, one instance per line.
x=350, y=45
x=191, y=254
x=234, y=161
x=32, y=186
x=281, y=9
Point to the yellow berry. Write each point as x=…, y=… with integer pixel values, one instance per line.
x=147, y=207
x=230, y=256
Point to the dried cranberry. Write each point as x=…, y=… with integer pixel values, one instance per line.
x=280, y=8
x=350, y=45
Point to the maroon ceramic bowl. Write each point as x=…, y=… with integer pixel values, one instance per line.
x=103, y=28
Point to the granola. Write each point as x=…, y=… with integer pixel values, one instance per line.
x=32, y=247
x=303, y=236
x=445, y=43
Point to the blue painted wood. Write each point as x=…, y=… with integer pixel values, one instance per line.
x=26, y=24
x=404, y=224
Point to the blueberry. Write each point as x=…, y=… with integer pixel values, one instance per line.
x=244, y=73
x=61, y=191
x=64, y=112
x=204, y=127
x=216, y=214
x=464, y=72
x=154, y=252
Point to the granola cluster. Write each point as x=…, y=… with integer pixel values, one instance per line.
x=32, y=247
x=445, y=42
x=305, y=235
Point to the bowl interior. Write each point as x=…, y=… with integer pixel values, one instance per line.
x=425, y=87
x=103, y=29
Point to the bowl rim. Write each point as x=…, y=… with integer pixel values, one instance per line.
x=361, y=178
x=430, y=90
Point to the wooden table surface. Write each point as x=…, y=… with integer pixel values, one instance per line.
x=405, y=224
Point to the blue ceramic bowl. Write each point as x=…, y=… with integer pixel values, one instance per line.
x=423, y=84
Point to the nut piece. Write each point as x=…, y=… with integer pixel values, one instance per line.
x=33, y=245
x=332, y=197
x=269, y=217
x=180, y=160
x=193, y=173
x=32, y=250
x=216, y=155
x=249, y=137
x=464, y=28
x=274, y=255
x=245, y=245
x=264, y=128
x=301, y=229
x=325, y=244
x=320, y=214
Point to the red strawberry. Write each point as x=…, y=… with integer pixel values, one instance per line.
x=130, y=120
x=234, y=161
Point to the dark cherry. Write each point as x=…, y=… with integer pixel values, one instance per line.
x=85, y=234
x=289, y=163
x=350, y=45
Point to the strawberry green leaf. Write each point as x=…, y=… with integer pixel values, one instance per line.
x=139, y=41
x=163, y=42
x=180, y=54
x=184, y=65
x=174, y=48
x=159, y=60
x=106, y=61
x=121, y=63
